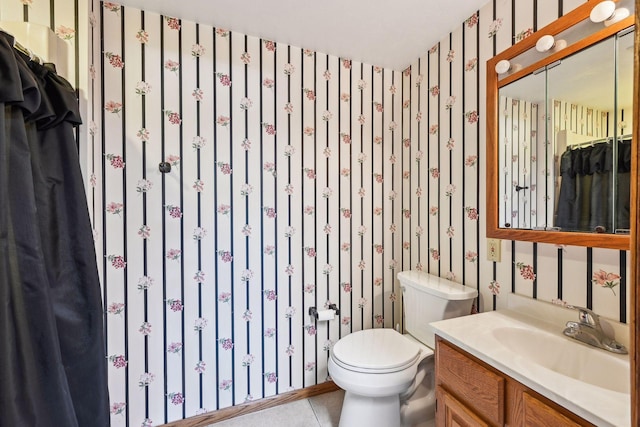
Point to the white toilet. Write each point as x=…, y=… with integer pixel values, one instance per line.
x=388, y=377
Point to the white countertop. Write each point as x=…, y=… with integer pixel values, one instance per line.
x=600, y=406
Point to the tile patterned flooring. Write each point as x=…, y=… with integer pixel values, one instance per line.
x=318, y=411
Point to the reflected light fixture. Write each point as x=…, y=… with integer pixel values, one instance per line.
x=548, y=43
x=606, y=12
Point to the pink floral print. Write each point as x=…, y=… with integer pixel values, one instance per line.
x=117, y=261
x=495, y=27
x=226, y=343
x=451, y=55
x=176, y=398
x=118, y=361
x=174, y=254
x=172, y=65
x=115, y=308
x=472, y=21
x=174, y=347
x=269, y=45
x=269, y=128
x=606, y=279
x=472, y=213
x=224, y=79
x=494, y=287
x=65, y=33
x=270, y=294
x=113, y=107
x=526, y=271
x=116, y=161
x=174, y=118
x=118, y=408
x=172, y=23
x=175, y=305
x=111, y=7
x=115, y=60
x=142, y=36
x=523, y=34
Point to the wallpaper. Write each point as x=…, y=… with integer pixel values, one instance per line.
x=64, y=17
x=444, y=125
x=297, y=179
x=284, y=194
x=522, y=136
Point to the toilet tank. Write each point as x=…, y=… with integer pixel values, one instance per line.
x=429, y=298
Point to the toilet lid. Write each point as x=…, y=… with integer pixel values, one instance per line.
x=376, y=349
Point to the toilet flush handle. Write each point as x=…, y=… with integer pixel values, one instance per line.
x=402, y=288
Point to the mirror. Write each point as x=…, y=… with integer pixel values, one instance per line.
x=558, y=135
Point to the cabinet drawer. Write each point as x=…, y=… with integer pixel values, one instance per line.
x=455, y=413
x=539, y=414
x=471, y=383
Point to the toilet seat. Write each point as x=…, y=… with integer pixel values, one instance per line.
x=361, y=351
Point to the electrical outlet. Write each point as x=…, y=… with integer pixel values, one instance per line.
x=494, y=249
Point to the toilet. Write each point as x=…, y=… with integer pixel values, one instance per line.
x=388, y=377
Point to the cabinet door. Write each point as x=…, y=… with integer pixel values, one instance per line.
x=471, y=382
x=454, y=413
x=539, y=414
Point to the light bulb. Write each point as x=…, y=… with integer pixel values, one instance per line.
x=503, y=66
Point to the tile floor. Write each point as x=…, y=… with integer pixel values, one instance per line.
x=318, y=411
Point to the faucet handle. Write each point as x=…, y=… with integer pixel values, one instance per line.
x=587, y=316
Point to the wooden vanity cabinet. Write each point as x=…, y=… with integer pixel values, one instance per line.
x=470, y=393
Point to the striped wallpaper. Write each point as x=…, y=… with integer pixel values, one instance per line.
x=297, y=179
x=521, y=130
x=67, y=18
x=284, y=193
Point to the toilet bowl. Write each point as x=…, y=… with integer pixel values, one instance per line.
x=378, y=369
x=388, y=377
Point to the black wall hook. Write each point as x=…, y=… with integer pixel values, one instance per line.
x=165, y=167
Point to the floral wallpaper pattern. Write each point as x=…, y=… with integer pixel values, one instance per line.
x=444, y=177
x=60, y=17
x=280, y=191
x=297, y=179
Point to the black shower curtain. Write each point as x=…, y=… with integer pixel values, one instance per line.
x=53, y=369
x=586, y=190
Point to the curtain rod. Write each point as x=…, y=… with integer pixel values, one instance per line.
x=24, y=50
x=597, y=141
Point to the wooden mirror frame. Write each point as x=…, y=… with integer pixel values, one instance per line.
x=611, y=241
x=634, y=339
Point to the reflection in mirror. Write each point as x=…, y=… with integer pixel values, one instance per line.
x=560, y=129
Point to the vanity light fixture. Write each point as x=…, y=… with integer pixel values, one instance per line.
x=549, y=44
x=505, y=66
x=606, y=12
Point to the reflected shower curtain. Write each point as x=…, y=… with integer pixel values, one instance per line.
x=586, y=196
x=52, y=363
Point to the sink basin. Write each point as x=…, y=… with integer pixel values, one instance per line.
x=566, y=357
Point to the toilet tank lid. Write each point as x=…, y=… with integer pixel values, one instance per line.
x=436, y=285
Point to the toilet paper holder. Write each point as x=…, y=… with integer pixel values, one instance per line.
x=313, y=311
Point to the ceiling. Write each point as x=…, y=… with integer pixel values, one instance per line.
x=391, y=34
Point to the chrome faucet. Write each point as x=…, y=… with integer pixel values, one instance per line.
x=589, y=331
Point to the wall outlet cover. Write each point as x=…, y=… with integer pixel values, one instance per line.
x=494, y=250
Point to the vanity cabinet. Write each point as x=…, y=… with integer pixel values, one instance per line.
x=471, y=393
